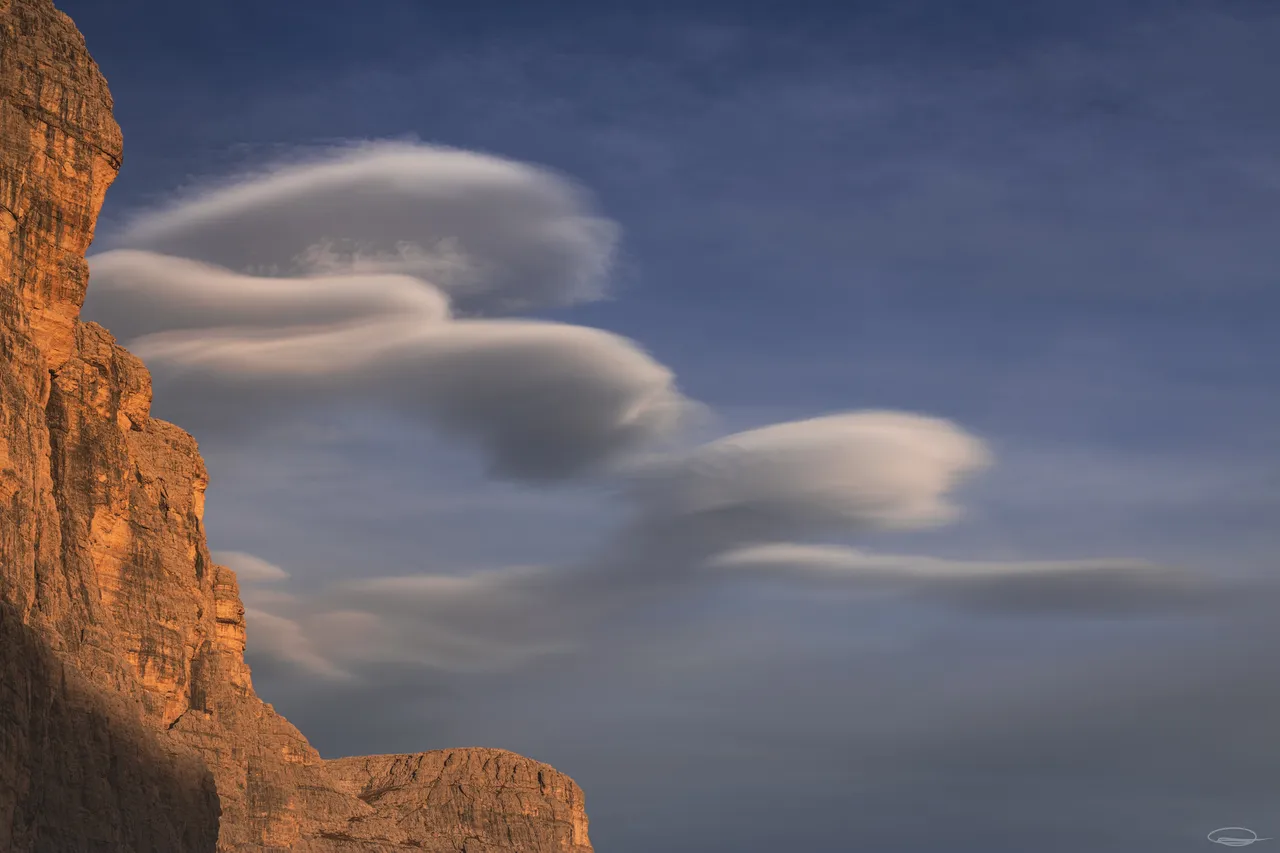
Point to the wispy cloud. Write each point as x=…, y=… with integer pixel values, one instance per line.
x=248, y=568
x=1093, y=586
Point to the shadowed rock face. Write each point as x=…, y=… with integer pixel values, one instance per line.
x=79, y=771
x=125, y=698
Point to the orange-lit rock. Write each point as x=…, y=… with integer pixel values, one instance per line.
x=124, y=697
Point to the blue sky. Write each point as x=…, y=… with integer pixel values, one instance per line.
x=1050, y=224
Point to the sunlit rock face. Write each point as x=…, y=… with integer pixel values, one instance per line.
x=128, y=719
x=482, y=800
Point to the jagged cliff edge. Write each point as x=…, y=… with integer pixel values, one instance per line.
x=128, y=719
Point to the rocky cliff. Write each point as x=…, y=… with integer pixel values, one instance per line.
x=128, y=719
x=477, y=800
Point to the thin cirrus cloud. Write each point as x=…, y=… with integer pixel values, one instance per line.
x=543, y=400
x=493, y=233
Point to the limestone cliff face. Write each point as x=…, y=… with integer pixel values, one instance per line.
x=477, y=800
x=128, y=719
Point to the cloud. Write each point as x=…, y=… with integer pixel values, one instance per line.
x=366, y=277
x=488, y=620
x=699, y=518
x=963, y=181
x=703, y=516
x=139, y=293
x=1121, y=585
x=834, y=561
x=543, y=400
x=249, y=568
x=857, y=471
x=286, y=641
x=493, y=233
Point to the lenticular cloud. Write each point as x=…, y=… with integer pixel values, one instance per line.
x=852, y=471
x=1091, y=586
x=542, y=400
x=381, y=274
x=495, y=234
x=341, y=276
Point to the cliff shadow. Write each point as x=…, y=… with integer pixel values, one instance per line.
x=78, y=772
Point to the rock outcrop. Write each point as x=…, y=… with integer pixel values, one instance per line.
x=78, y=769
x=477, y=800
x=128, y=718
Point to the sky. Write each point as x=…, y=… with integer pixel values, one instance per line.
x=809, y=425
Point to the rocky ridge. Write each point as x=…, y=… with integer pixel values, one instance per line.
x=128, y=718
